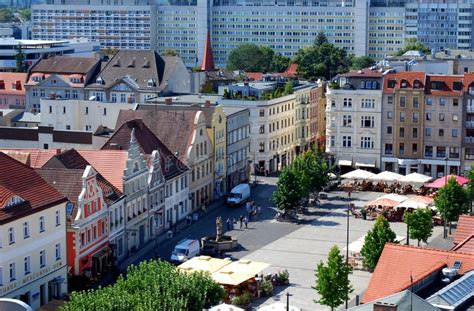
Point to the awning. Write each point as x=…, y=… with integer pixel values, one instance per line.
x=204, y=263
x=357, y=174
x=231, y=278
x=408, y=161
x=344, y=163
x=245, y=267
x=365, y=162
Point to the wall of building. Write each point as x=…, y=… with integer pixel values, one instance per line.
x=238, y=148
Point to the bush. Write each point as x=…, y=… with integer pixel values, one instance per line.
x=284, y=277
x=242, y=300
x=267, y=288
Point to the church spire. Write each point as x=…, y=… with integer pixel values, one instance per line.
x=208, y=58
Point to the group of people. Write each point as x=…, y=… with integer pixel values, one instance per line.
x=252, y=210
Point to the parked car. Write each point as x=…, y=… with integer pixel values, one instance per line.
x=238, y=195
x=185, y=250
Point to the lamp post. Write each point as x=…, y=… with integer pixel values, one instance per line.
x=288, y=301
x=445, y=184
x=347, y=237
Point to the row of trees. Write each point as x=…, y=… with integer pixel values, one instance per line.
x=308, y=173
x=321, y=60
x=152, y=285
x=7, y=15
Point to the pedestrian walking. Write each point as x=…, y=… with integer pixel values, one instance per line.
x=232, y=223
x=246, y=222
x=259, y=209
x=241, y=221
x=228, y=224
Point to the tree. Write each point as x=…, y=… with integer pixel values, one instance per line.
x=470, y=184
x=288, y=192
x=6, y=16
x=375, y=241
x=321, y=39
x=420, y=224
x=312, y=171
x=25, y=14
x=412, y=44
x=152, y=285
x=250, y=57
x=362, y=62
x=332, y=280
x=288, y=88
x=322, y=60
x=21, y=65
x=452, y=200
x=279, y=63
x=170, y=52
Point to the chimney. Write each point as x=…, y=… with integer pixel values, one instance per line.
x=58, y=151
x=168, y=101
x=207, y=104
x=382, y=306
x=114, y=146
x=246, y=83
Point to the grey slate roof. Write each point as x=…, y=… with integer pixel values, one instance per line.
x=401, y=300
x=27, y=117
x=136, y=67
x=65, y=65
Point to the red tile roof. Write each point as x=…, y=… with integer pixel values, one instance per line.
x=147, y=142
x=466, y=246
x=410, y=77
x=448, y=85
x=24, y=182
x=254, y=76
x=12, y=83
x=398, y=262
x=464, y=229
x=34, y=158
x=468, y=81
x=367, y=72
x=291, y=71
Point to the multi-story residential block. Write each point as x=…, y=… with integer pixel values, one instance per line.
x=59, y=77
x=91, y=198
x=468, y=131
x=33, y=265
x=302, y=119
x=185, y=134
x=317, y=116
x=163, y=197
x=238, y=146
x=354, y=117
x=12, y=90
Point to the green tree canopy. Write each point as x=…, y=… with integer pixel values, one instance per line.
x=452, y=200
x=21, y=65
x=332, y=280
x=288, y=88
x=170, y=52
x=250, y=57
x=412, y=44
x=470, y=185
x=288, y=192
x=25, y=14
x=6, y=16
x=362, y=62
x=152, y=285
x=420, y=224
x=322, y=60
x=279, y=63
x=313, y=171
x=375, y=241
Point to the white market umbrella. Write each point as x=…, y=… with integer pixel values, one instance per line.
x=386, y=176
x=358, y=174
x=278, y=306
x=415, y=178
x=395, y=197
x=225, y=307
x=417, y=202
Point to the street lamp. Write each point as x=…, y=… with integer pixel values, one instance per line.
x=445, y=184
x=288, y=301
x=347, y=235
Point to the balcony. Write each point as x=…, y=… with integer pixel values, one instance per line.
x=469, y=139
x=470, y=124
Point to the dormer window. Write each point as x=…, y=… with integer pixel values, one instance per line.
x=99, y=80
x=14, y=200
x=36, y=79
x=75, y=80
x=403, y=84
x=391, y=84
x=416, y=84
x=151, y=83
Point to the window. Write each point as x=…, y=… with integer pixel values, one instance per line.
x=42, y=93
x=41, y=224
x=390, y=100
x=403, y=84
x=332, y=141
x=457, y=86
x=27, y=265
x=442, y=101
x=455, y=117
x=58, y=218
x=429, y=101
x=1, y=276
x=428, y=116
x=441, y=152
x=367, y=121
x=416, y=102
x=42, y=258
x=389, y=115
x=58, y=250
x=414, y=148
x=12, y=272
x=416, y=117
x=388, y=149
x=401, y=132
x=262, y=129
x=347, y=102
x=50, y=109
x=414, y=132
x=262, y=147
x=416, y=84
x=75, y=94
x=391, y=84
x=428, y=132
x=262, y=112
x=11, y=235
x=35, y=92
x=403, y=101
x=64, y=109
x=87, y=110
x=441, y=132
x=26, y=230
x=454, y=132
x=366, y=142
x=67, y=93
x=346, y=141
x=368, y=103
x=402, y=116
x=454, y=152
x=347, y=121
x=389, y=130
x=401, y=148
x=455, y=102
x=428, y=151
x=105, y=112
x=441, y=116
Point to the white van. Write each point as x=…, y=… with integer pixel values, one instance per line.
x=185, y=250
x=239, y=195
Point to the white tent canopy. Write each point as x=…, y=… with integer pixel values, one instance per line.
x=417, y=202
x=386, y=176
x=358, y=174
x=416, y=178
x=394, y=197
x=278, y=306
x=225, y=307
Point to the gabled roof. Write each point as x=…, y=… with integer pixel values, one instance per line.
x=12, y=83
x=138, y=66
x=403, y=300
x=363, y=73
x=34, y=158
x=448, y=85
x=170, y=165
x=408, y=76
x=254, y=76
x=22, y=181
x=468, y=81
x=465, y=246
x=465, y=228
x=174, y=128
x=291, y=71
x=399, y=263
x=65, y=65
